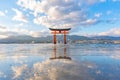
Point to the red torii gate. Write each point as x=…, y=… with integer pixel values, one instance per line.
x=59, y=31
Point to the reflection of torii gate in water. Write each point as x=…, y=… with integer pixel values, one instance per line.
x=59, y=57
x=59, y=31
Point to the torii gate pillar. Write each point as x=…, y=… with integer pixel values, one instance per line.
x=59, y=31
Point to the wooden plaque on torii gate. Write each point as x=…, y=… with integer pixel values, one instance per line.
x=59, y=31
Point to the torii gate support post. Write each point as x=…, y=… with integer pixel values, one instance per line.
x=54, y=36
x=65, y=42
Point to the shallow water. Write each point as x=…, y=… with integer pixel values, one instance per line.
x=59, y=62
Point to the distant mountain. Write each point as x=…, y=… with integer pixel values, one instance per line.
x=105, y=38
x=26, y=39
x=17, y=39
x=49, y=39
x=75, y=37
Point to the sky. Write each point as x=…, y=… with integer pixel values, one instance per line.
x=35, y=17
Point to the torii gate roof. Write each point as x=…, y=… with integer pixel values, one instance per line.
x=63, y=29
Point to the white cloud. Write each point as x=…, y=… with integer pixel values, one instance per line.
x=108, y=12
x=3, y=36
x=58, y=13
x=2, y=74
x=112, y=32
x=6, y=11
x=19, y=16
x=20, y=31
x=18, y=70
x=98, y=15
x=116, y=56
x=55, y=70
x=7, y=32
x=91, y=1
x=2, y=13
x=2, y=56
x=2, y=31
x=20, y=24
x=90, y=22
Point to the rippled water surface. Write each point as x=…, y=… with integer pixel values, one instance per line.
x=59, y=62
